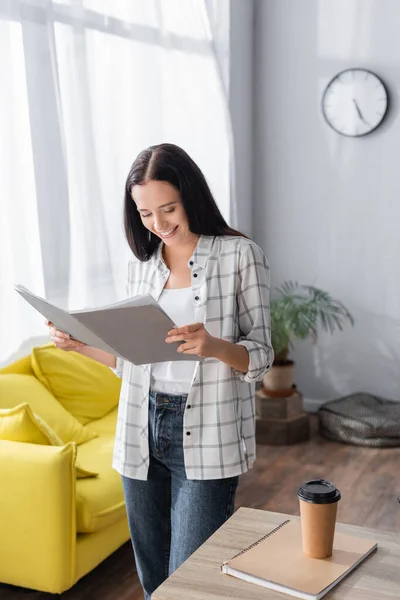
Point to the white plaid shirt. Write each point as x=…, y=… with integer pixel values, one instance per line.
x=230, y=285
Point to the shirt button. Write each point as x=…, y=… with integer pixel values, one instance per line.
x=194, y=274
x=189, y=406
x=191, y=263
x=196, y=298
x=188, y=433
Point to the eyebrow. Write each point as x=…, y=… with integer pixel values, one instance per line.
x=162, y=206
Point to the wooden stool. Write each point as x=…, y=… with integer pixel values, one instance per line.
x=280, y=419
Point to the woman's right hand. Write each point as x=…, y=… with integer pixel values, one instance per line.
x=63, y=340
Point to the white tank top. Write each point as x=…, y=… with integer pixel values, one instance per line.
x=175, y=377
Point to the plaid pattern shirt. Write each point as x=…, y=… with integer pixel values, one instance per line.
x=230, y=285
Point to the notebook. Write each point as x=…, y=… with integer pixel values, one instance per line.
x=133, y=329
x=276, y=561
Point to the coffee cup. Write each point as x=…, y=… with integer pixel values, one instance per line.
x=318, y=500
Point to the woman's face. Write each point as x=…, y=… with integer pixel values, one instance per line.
x=162, y=212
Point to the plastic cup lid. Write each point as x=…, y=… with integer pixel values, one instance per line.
x=319, y=491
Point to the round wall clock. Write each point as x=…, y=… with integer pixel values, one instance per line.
x=355, y=102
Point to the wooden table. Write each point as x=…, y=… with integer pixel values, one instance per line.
x=200, y=577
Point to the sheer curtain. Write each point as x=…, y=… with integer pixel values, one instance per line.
x=87, y=84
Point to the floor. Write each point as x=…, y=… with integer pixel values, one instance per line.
x=369, y=480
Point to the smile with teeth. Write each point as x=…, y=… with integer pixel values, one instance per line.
x=166, y=234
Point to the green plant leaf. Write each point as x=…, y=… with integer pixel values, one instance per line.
x=297, y=311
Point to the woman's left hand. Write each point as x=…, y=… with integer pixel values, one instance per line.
x=196, y=340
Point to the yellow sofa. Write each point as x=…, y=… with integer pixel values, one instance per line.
x=56, y=527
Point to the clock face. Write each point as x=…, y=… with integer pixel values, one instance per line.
x=355, y=102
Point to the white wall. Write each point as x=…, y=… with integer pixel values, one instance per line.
x=232, y=27
x=327, y=207
x=241, y=102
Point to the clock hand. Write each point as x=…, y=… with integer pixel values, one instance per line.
x=359, y=112
x=357, y=109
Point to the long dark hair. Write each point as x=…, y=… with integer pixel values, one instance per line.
x=167, y=162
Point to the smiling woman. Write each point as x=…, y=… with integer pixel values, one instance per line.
x=186, y=428
x=162, y=212
x=164, y=178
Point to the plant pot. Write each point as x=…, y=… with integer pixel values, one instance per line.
x=279, y=378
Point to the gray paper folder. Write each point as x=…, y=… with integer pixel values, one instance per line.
x=134, y=329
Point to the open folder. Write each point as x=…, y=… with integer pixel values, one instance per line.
x=134, y=329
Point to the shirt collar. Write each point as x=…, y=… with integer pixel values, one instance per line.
x=199, y=257
x=202, y=251
x=158, y=259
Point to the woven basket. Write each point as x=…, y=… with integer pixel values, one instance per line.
x=361, y=419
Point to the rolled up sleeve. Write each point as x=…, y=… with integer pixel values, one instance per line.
x=254, y=312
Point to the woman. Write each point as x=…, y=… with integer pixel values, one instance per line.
x=185, y=429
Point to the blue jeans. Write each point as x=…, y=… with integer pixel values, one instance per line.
x=169, y=515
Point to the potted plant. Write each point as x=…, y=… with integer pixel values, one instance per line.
x=296, y=313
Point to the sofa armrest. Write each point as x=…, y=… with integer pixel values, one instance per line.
x=38, y=515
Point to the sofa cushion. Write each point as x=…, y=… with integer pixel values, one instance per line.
x=21, y=366
x=20, y=424
x=106, y=424
x=100, y=502
x=19, y=389
x=87, y=389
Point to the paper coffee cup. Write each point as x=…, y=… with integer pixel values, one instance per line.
x=318, y=509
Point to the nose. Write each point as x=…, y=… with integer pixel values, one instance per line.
x=159, y=223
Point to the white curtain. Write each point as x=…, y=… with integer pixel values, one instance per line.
x=85, y=85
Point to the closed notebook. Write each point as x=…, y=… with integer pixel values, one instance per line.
x=276, y=561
